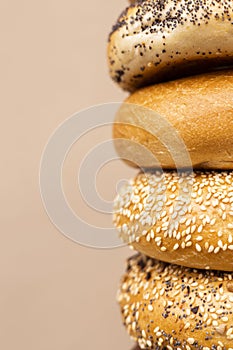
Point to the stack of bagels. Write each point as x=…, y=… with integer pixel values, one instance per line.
x=176, y=59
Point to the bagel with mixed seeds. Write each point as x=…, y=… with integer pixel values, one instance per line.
x=166, y=306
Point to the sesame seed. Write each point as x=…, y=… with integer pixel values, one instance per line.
x=150, y=307
x=221, y=329
x=211, y=249
x=225, y=319
x=191, y=341
x=187, y=325
x=198, y=247
x=143, y=333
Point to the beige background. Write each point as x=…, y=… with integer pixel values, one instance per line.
x=54, y=294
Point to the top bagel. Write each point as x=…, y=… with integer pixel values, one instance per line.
x=158, y=40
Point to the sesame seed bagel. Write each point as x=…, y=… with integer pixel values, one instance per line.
x=197, y=110
x=186, y=218
x=154, y=40
x=167, y=306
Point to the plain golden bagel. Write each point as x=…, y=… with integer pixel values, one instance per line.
x=186, y=219
x=198, y=109
x=170, y=307
x=154, y=41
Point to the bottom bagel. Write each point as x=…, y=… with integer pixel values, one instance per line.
x=173, y=307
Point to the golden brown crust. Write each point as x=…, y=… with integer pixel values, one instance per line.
x=154, y=41
x=186, y=219
x=168, y=306
x=198, y=110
